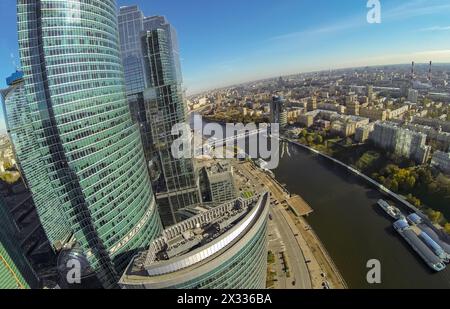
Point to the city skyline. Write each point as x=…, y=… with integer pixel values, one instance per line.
x=296, y=43
x=339, y=25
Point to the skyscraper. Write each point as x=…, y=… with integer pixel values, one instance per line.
x=165, y=107
x=222, y=248
x=32, y=165
x=160, y=106
x=15, y=269
x=131, y=23
x=277, y=111
x=90, y=152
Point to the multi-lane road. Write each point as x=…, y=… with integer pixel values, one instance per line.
x=299, y=273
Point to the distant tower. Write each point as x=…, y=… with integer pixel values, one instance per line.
x=281, y=83
x=430, y=72
x=413, y=73
x=369, y=92
x=277, y=112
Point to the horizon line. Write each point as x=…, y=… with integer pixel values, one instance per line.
x=309, y=72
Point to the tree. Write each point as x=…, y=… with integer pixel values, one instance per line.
x=304, y=133
x=413, y=200
x=319, y=139
x=410, y=182
x=433, y=188
x=7, y=165
x=394, y=185
x=309, y=139
x=447, y=228
x=435, y=216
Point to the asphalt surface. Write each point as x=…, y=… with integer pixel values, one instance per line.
x=296, y=261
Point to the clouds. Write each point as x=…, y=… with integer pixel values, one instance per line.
x=435, y=29
x=390, y=14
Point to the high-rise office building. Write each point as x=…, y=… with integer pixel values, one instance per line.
x=222, y=248
x=278, y=112
x=15, y=270
x=166, y=107
x=131, y=23
x=157, y=108
x=160, y=22
x=217, y=182
x=91, y=153
x=32, y=164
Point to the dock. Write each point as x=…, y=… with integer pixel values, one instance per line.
x=289, y=212
x=298, y=206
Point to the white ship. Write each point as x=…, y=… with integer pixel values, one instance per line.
x=392, y=211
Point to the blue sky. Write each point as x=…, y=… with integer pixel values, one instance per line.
x=230, y=41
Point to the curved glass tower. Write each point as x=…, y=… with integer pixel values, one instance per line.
x=223, y=248
x=89, y=147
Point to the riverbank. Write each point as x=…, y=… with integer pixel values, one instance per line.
x=423, y=186
x=402, y=200
x=321, y=268
x=353, y=229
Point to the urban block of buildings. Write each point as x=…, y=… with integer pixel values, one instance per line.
x=401, y=141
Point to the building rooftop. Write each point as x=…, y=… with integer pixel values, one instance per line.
x=197, y=240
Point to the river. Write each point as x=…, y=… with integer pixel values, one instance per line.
x=350, y=225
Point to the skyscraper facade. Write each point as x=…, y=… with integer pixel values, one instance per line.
x=165, y=108
x=131, y=24
x=15, y=270
x=277, y=111
x=222, y=248
x=159, y=107
x=90, y=150
x=20, y=128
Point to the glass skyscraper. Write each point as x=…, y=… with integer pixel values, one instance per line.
x=166, y=107
x=32, y=164
x=86, y=145
x=131, y=23
x=15, y=269
x=159, y=107
x=233, y=256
